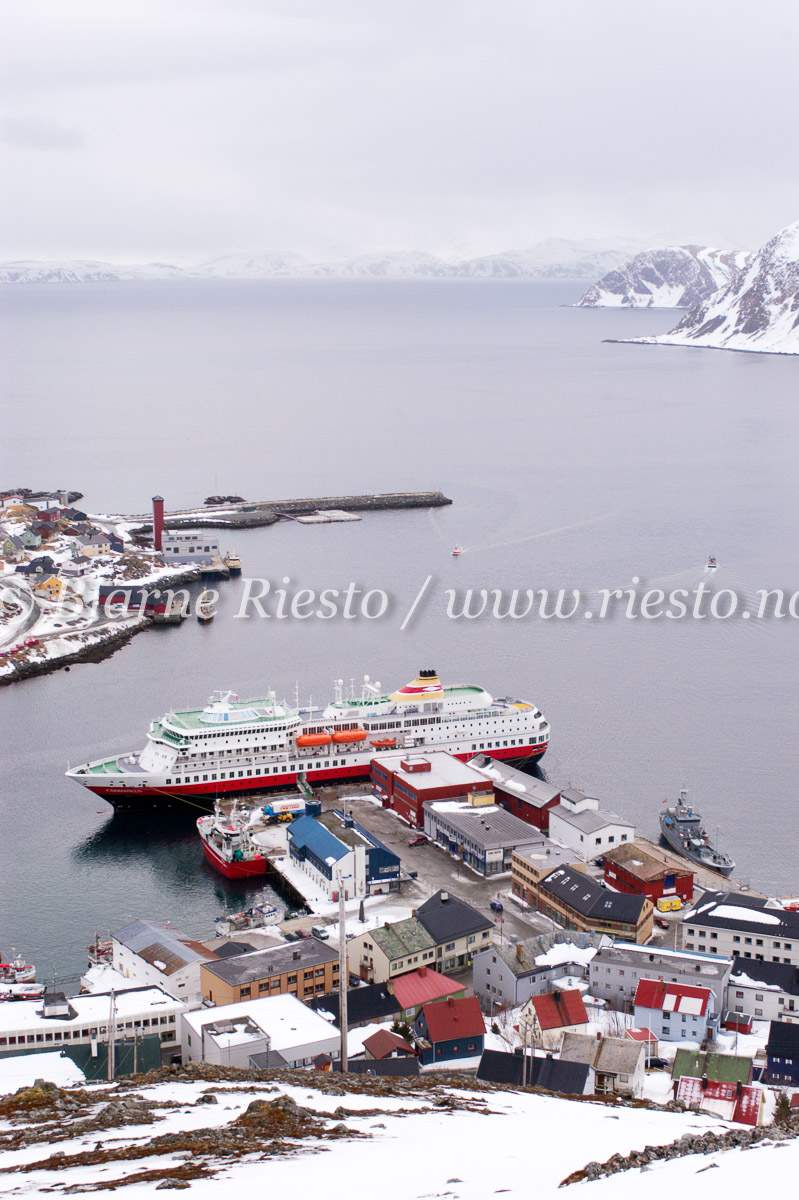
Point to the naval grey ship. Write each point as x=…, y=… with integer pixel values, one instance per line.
x=681, y=827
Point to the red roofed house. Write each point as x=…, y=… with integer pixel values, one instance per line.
x=385, y=1044
x=423, y=986
x=449, y=1031
x=675, y=1011
x=544, y=1019
x=739, y=1102
x=646, y=1036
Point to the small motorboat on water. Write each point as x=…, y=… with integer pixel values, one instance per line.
x=204, y=609
x=712, y=565
x=457, y=551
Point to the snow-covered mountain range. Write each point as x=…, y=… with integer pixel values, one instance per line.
x=757, y=310
x=82, y=271
x=672, y=277
x=554, y=258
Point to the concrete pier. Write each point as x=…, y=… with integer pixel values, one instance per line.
x=251, y=513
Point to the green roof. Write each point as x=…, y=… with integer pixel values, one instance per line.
x=402, y=938
x=721, y=1068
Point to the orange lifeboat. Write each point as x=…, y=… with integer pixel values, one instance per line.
x=385, y=743
x=349, y=735
x=314, y=739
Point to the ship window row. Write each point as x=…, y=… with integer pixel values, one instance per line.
x=214, y=775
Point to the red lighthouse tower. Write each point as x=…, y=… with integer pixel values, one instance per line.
x=158, y=522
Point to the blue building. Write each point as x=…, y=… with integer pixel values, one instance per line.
x=338, y=852
x=448, y=1030
x=782, y=1053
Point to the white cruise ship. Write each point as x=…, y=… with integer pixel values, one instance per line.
x=234, y=746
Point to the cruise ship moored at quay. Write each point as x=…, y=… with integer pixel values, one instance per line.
x=236, y=746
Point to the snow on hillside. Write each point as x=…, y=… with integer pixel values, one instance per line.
x=401, y=1139
x=83, y=271
x=554, y=258
x=757, y=310
x=672, y=277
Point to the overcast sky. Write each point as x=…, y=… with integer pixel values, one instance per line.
x=140, y=129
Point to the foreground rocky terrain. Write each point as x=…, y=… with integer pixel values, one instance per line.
x=302, y=1132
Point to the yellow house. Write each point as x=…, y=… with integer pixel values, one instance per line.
x=49, y=589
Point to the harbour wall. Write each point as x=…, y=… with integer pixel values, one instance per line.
x=252, y=513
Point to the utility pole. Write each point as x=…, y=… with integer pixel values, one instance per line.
x=112, y=1030
x=343, y=975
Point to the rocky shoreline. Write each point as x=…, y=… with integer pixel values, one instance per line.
x=95, y=644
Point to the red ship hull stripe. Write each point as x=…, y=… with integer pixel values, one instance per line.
x=255, y=783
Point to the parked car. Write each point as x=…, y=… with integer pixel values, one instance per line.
x=496, y=906
x=656, y=1064
x=355, y=980
x=304, y=933
x=419, y=840
x=661, y=924
x=291, y=937
x=319, y=932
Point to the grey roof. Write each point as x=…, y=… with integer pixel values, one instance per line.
x=490, y=830
x=590, y=820
x=610, y=1055
x=364, y=1004
x=157, y=942
x=450, y=918
x=259, y=964
x=520, y=958
x=396, y=1067
x=587, y=898
x=780, y=923
x=650, y=958
x=553, y=1074
x=268, y=1060
x=785, y=976
x=527, y=788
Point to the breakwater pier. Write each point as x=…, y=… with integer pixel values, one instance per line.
x=247, y=514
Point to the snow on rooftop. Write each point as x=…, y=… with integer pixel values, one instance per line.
x=755, y=916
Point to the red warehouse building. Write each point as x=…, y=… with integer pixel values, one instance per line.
x=525, y=796
x=405, y=782
x=630, y=868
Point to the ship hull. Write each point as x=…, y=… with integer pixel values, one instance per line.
x=147, y=793
x=246, y=869
x=676, y=845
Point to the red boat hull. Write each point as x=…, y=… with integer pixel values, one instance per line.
x=235, y=870
x=123, y=797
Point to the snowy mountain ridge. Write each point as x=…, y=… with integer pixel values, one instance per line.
x=554, y=258
x=757, y=310
x=668, y=277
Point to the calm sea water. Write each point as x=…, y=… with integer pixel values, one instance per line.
x=508, y=401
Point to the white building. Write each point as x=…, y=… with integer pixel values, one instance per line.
x=615, y=971
x=230, y=1034
x=730, y=923
x=152, y=952
x=85, y=1019
x=764, y=991
x=579, y=822
x=196, y=546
